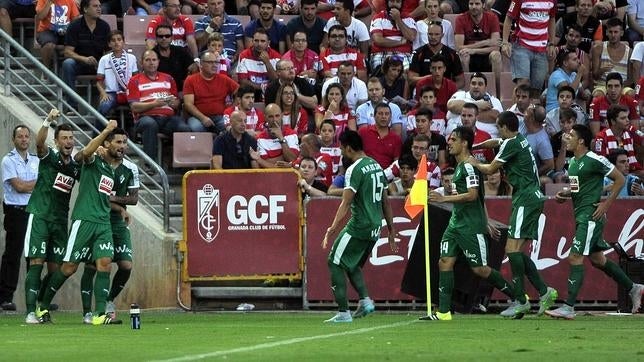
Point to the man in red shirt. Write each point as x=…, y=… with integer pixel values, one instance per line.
x=469, y=115
x=617, y=135
x=183, y=28
x=310, y=146
x=391, y=34
x=245, y=103
x=204, y=95
x=256, y=67
x=444, y=87
x=600, y=105
x=277, y=145
x=154, y=100
x=381, y=143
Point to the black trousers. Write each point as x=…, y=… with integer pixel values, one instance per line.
x=15, y=225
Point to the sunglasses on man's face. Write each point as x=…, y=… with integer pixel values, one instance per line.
x=164, y=36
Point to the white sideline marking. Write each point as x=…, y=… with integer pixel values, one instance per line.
x=285, y=342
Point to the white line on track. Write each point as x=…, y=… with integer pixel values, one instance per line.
x=284, y=342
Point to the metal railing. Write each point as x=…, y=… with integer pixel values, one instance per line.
x=41, y=90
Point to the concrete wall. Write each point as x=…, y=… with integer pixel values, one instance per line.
x=154, y=277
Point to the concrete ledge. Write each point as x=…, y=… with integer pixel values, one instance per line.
x=246, y=292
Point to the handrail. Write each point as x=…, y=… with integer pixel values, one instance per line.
x=19, y=79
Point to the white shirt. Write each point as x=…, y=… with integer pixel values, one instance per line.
x=454, y=120
x=356, y=31
x=638, y=54
x=365, y=114
x=355, y=95
x=421, y=34
x=105, y=68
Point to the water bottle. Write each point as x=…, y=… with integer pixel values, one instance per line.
x=135, y=316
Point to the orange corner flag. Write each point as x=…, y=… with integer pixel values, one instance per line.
x=417, y=198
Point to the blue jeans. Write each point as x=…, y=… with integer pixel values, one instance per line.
x=71, y=69
x=528, y=64
x=196, y=125
x=149, y=126
x=155, y=6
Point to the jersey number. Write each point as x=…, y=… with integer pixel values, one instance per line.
x=378, y=188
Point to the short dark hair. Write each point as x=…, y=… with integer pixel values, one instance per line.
x=565, y=88
x=408, y=160
x=329, y=122
x=438, y=58
x=523, y=87
x=613, y=76
x=351, y=139
x=613, y=112
x=509, y=120
x=584, y=133
x=567, y=114
x=115, y=131
x=62, y=127
x=465, y=134
x=162, y=26
x=381, y=105
x=427, y=88
x=244, y=89
x=424, y=111
x=16, y=128
x=116, y=32
x=447, y=171
x=473, y=106
x=479, y=75
x=614, y=22
x=347, y=5
x=272, y=2
x=261, y=30
x=309, y=2
x=422, y=138
x=338, y=27
x=309, y=158
x=612, y=155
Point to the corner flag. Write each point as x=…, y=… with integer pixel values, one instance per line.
x=417, y=198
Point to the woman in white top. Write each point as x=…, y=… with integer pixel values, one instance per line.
x=432, y=9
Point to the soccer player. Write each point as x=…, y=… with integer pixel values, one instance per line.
x=90, y=239
x=586, y=172
x=48, y=208
x=517, y=159
x=125, y=192
x=365, y=193
x=467, y=225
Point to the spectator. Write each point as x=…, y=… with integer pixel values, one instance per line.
x=591, y=27
x=532, y=37
x=148, y=7
x=309, y=24
x=428, y=100
x=356, y=31
x=637, y=63
x=407, y=166
x=380, y=142
x=216, y=46
x=114, y=72
x=612, y=55
x=635, y=16
x=204, y=96
x=231, y=149
x=447, y=174
x=53, y=17
x=565, y=98
x=600, y=105
x=391, y=34
x=183, y=29
x=488, y=106
x=275, y=30
x=419, y=147
x=412, y=8
x=194, y=7
x=444, y=87
x=337, y=187
x=306, y=62
x=497, y=185
x=365, y=113
x=420, y=67
x=618, y=135
x=277, y=145
x=311, y=146
x=477, y=40
x=632, y=184
x=354, y=88
x=339, y=52
x=13, y=9
x=539, y=142
x=437, y=144
x=329, y=144
x=217, y=21
x=245, y=100
x=568, y=72
x=256, y=67
x=639, y=90
x=308, y=184
x=293, y=114
x=334, y=107
x=432, y=11
x=469, y=117
x=571, y=44
x=567, y=118
x=520, y=107
x=85, y=43
x=117, y=7
x=173, y=59
x=286, y=75
x=154, y=101
x=394, y=82
x=326, y=9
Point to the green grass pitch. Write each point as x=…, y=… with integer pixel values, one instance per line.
x=301, y=336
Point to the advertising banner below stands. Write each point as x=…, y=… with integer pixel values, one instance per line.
x=241, y=224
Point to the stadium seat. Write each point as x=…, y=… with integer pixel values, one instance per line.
x=507, y=86
x=111, y=20
x=135, y=28
x=451, y=18
x=243, y=19
x=552, y=189
x=192, y=149
x=284, y=19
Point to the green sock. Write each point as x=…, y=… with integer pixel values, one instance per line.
x=533, y=275
x=55, y=282
x=357, y=281
x=43, y=284
x=518, y=275
x=86, y=288
x=617, y=274
x=575, y=280
x=101, y=291
x=32, y=286
x=445, y=288
x=501, y=284
x=339, y=287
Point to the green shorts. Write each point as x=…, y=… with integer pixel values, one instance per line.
x=350, y=252
x=473, y=246
x=524, y=221
x=122, y=242
x=89, y=241
x=589, y=237
x=45, y=239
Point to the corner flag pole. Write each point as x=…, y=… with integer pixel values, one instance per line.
x=427, y=264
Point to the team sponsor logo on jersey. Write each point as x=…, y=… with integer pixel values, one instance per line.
x=574, y=183
x=105, y=185
x=208, y=212
x=472, y=181
x=63, y=183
